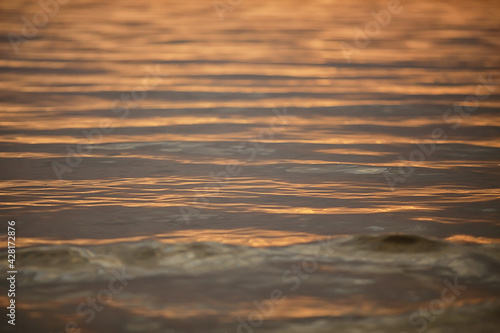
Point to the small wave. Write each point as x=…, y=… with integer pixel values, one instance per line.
x=389, y=253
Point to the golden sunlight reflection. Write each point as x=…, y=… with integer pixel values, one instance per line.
x=472, y=239
x=274, y=124
x=243, y=236
x=290, y=307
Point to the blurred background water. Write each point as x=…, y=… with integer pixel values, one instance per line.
x=130, y=132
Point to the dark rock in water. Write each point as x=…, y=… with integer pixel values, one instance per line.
x=399, y=243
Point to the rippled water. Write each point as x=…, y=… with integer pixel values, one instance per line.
x=207, y=157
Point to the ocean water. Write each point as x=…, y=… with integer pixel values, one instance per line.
x=251, y=166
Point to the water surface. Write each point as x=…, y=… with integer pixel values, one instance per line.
x=207, y=157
